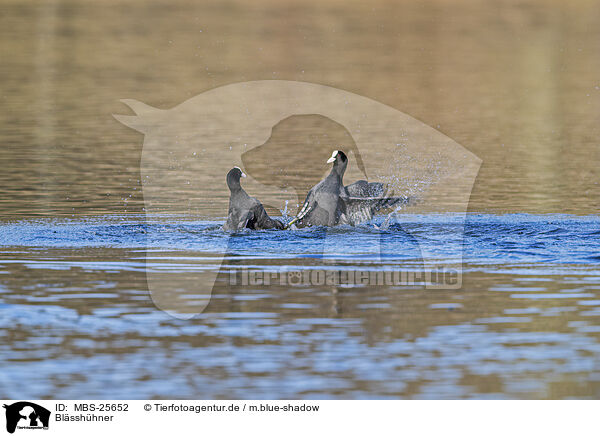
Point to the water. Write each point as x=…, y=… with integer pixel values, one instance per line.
x=78, y=321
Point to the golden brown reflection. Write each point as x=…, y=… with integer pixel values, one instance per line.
x=514, y=82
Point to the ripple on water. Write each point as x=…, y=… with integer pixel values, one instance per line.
x=78, y=320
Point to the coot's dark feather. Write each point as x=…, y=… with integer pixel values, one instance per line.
x=330, y=203
x=246, y=211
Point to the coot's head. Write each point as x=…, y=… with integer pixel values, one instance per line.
x=233, y=178
x=340, y=161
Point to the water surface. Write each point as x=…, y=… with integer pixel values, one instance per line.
x=78, y=320
x=515, y=82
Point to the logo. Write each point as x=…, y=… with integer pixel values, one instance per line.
x=281, y=133
x=26, y=415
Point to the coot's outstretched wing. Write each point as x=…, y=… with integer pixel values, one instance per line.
x=362, y=188
x=356, y=210
x=307, y=207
